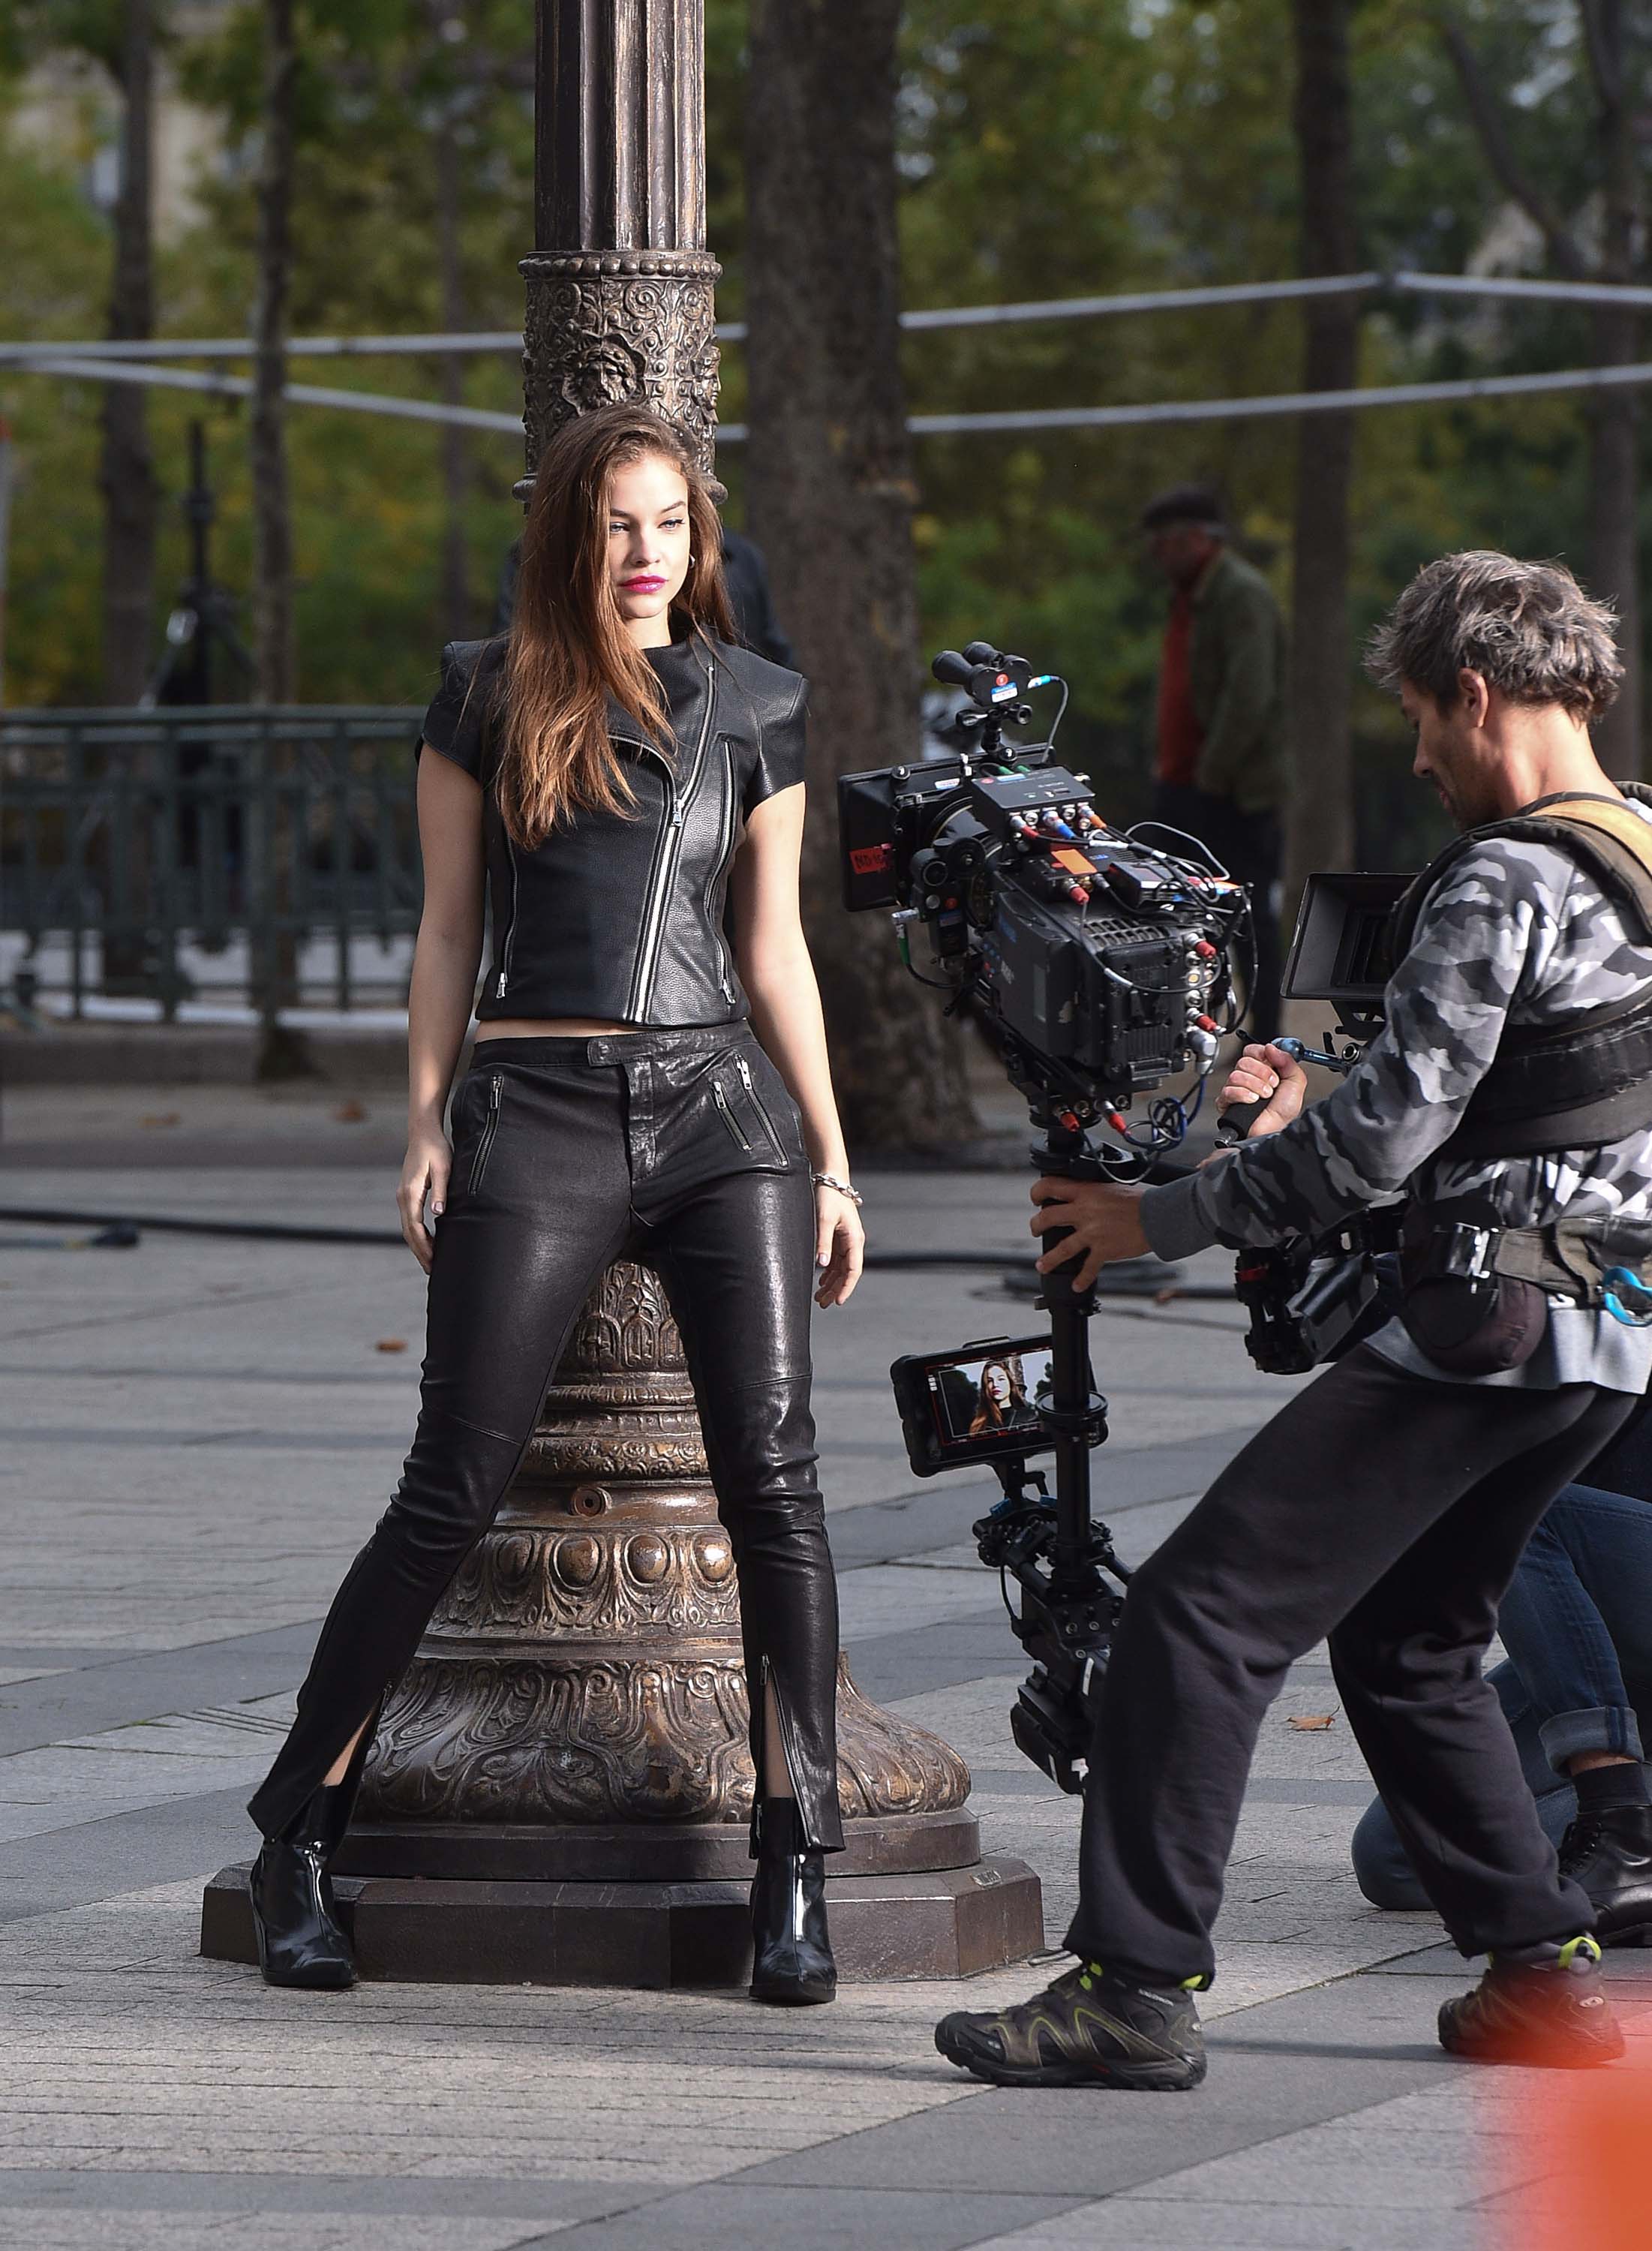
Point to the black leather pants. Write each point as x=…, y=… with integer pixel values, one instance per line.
x=685, y=1147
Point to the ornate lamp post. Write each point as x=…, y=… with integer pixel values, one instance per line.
x=620, y=283
x=560, y=1783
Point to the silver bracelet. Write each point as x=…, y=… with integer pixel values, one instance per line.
x=831, y=1181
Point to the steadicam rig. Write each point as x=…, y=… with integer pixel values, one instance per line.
x=1097, y=961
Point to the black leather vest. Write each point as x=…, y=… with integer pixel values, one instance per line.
x=620, y=915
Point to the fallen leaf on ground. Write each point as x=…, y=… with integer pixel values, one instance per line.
x=161, y=1117
x=400, y=1344
x=1305, y=1721
x=350, y=1113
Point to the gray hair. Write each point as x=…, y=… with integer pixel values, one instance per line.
x=1528, y=628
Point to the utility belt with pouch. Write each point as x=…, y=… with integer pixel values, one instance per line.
x=1475, y=1299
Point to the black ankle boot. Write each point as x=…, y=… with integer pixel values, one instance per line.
x=298, y=1939
x=792, y=1953
x=1608, y=1851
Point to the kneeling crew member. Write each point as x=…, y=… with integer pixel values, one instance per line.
x=1386, y=1505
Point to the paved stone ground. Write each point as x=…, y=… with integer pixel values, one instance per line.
x=200, y=1433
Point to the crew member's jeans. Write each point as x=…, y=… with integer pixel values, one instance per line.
x=684, y=1148
x=1388, y=1512
x=1248, y=846
x=1577, y=1623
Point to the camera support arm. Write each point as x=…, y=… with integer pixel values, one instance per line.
x=1053, y=1548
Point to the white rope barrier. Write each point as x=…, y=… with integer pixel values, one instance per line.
x=931, y=426
x=465, y=340
x=108, y=361
x=954, y=316
x=1498, y=285
x=298, y=394
x=1288, y=402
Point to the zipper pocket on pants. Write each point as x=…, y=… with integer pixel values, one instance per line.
x=767, y=1123
x=726, y=1113
x=484, y=1148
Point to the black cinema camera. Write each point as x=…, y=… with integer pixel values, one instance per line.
x=1311, y=1299
x=1097, y=964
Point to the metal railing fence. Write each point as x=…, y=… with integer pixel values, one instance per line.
x=128, y=837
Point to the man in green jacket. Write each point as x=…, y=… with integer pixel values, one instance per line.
x=1220, y=724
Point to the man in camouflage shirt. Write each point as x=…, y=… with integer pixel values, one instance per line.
x=1388, y=1504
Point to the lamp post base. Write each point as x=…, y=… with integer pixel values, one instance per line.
x=944, y=1923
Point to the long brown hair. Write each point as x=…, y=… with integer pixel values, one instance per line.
x=989, y=1415
x=568, y=650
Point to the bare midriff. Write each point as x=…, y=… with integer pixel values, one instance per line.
x=548, y=1027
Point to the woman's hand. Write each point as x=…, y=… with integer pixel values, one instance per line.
x=1267, y=1075
x=425, y=1171
x=839, y=1246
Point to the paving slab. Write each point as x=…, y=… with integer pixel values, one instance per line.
x=208, y=1429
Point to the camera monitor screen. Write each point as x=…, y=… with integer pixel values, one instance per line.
x=978, y=1403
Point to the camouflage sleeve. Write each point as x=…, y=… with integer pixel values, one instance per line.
x=1488, y=923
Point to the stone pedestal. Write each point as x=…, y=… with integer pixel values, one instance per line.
x=561, y=1786
x=433, y=1931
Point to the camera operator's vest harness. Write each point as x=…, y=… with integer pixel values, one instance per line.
x=1579, y=1085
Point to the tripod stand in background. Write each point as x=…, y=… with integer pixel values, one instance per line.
x=203, y=618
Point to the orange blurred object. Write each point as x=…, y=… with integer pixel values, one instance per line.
x=1596, y=2126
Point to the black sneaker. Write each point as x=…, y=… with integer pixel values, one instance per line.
x=1088, y=2029
x=1609, y=1852
x=1543, y=2004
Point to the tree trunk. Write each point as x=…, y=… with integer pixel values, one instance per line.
x=272, y=531
x=127, y=473
x=455, y=598
x=831, y=495
x=1319, y=827
x=1613, y=567
x=1615, y=416
x=283, y=1053
x=1615, y=560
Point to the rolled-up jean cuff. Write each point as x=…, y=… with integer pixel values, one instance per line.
x=1608, y=1728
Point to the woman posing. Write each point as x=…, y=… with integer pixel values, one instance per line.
x=614, y=771
x=1001, y=1400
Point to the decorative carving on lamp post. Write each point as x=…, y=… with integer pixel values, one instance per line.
x=578, y=1707
x=620, y=284
x=604, y=326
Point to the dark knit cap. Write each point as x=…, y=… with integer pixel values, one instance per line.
x=1183, y=504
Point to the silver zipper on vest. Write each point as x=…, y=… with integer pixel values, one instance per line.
x=509, y=940
x=725, y=840
x=666, y=853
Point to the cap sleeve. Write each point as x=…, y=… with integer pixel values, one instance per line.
x=456, y=723
x=781, y=752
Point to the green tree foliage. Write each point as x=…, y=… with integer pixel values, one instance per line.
x=1049, y=148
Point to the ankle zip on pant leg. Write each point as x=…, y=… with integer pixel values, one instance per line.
x=768, y=1684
